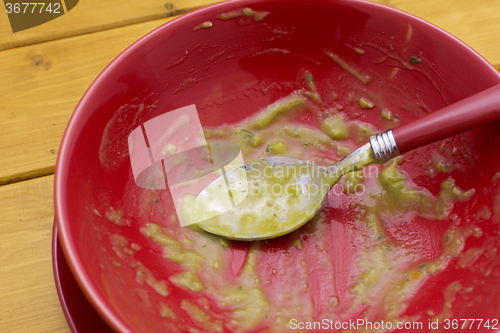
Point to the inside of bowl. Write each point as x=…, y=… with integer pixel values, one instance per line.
x=397, y=263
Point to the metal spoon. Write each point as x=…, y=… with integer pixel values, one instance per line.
x=264, y=213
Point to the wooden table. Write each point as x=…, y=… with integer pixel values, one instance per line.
x=45, y=70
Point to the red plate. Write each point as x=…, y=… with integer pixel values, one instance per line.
x=80, y=315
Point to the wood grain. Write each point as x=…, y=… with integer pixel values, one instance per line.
x=95, y=15
x=44, y=83
x=29, y=300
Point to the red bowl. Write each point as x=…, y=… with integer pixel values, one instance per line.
x=230, y=71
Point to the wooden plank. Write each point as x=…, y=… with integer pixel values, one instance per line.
x=44, y=82
x=28, y=297
x=95, y=15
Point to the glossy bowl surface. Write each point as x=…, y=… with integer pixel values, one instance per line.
x=230, y=71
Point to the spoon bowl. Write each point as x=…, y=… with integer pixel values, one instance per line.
x=270, y=197
x=267, y=198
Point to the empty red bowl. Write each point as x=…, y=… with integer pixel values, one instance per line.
x=243, y=62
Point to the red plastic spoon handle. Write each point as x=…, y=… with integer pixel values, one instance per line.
x=467, y=114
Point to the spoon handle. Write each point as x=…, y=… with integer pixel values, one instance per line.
x=464, y=115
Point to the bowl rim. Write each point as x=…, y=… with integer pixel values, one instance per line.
x=105, y=310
